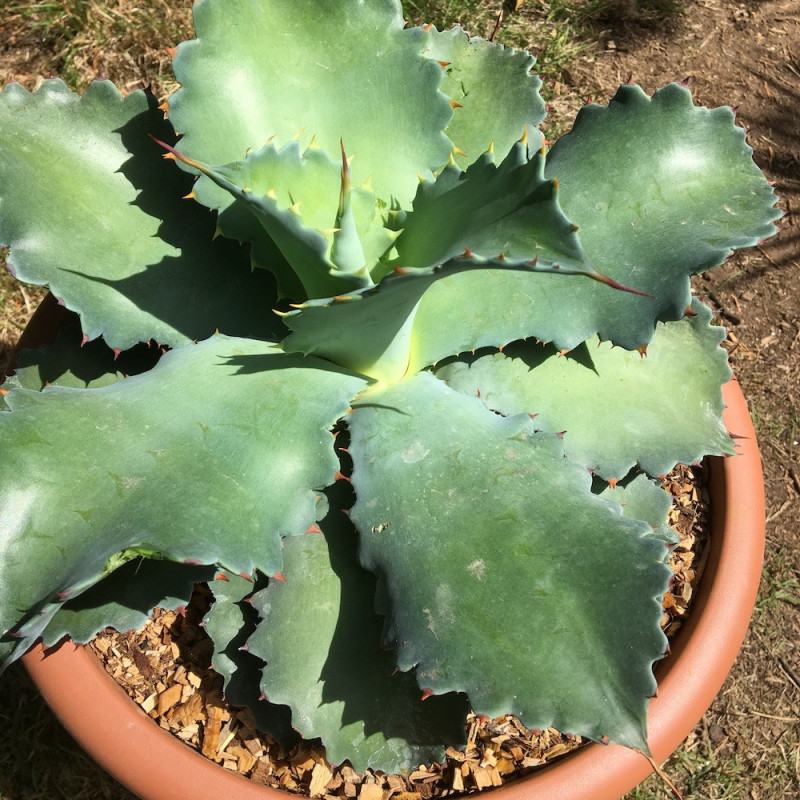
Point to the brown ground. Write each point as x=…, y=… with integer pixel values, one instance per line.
x=739, y=54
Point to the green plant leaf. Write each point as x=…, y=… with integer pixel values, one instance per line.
x=505, y=577
x=296, y=199
x=80, y=176
x=237, y=221
x=246, y=423
x=617, y=409
x=337, y=72
x=401, y=326
x=321, y=641
x=229, y=623
x=470, y=310
x=125, y=599
x=369, y=332
x=642, y=498
x=506, y=210
x=495, y=95
x=69, y=361
x=661, y=190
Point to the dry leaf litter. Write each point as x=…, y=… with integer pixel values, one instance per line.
x=165, y=668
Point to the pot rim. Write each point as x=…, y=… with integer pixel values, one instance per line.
x=154, y=764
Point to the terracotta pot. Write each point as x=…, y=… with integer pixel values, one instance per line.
x=156, y=766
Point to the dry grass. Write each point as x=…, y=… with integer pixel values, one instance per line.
x=127, y=40
x=123, y=40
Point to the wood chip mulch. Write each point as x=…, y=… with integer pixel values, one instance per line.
x=165, y=668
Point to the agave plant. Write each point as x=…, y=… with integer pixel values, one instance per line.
x=433, y=470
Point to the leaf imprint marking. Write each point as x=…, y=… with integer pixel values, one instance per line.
x=415, y=453
x=477, y=568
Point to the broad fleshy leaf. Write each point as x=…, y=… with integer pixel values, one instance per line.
x=392, y=185
x=495, y=96
x=494, y=210
x=297, y=199
x=642, y=498
x=398, y=327
x=249, y=424
x=103, y=227
x=494, y=308
x=661, y=190
x=321, y=641
x=69, y=361
x=125, y=598
x=611, y=403
x=237, y=221
x=229, y=623
x=335, y=72
x=497, y=560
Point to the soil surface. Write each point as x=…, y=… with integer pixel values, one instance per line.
x=746, y=55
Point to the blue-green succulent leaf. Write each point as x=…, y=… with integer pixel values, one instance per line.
x=643, y=498
x=377, y=331
x=69, y=361
x=89, y=208
x=125, y=598
x=249, y=424
x=329, y=234
x=237, y=221
x=497, y=560
x=229, y=623
x=661, y=190
x=611, y=403
x=321, y=641
x=493, y=210
x=334, y=72
x=495, y=96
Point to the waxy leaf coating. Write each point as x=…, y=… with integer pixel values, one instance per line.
x=532, y=563
x=84, y=171
x=661, y=190
x=321, y=640
x=382, y=98
x=608, y=402
x=102, y=467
